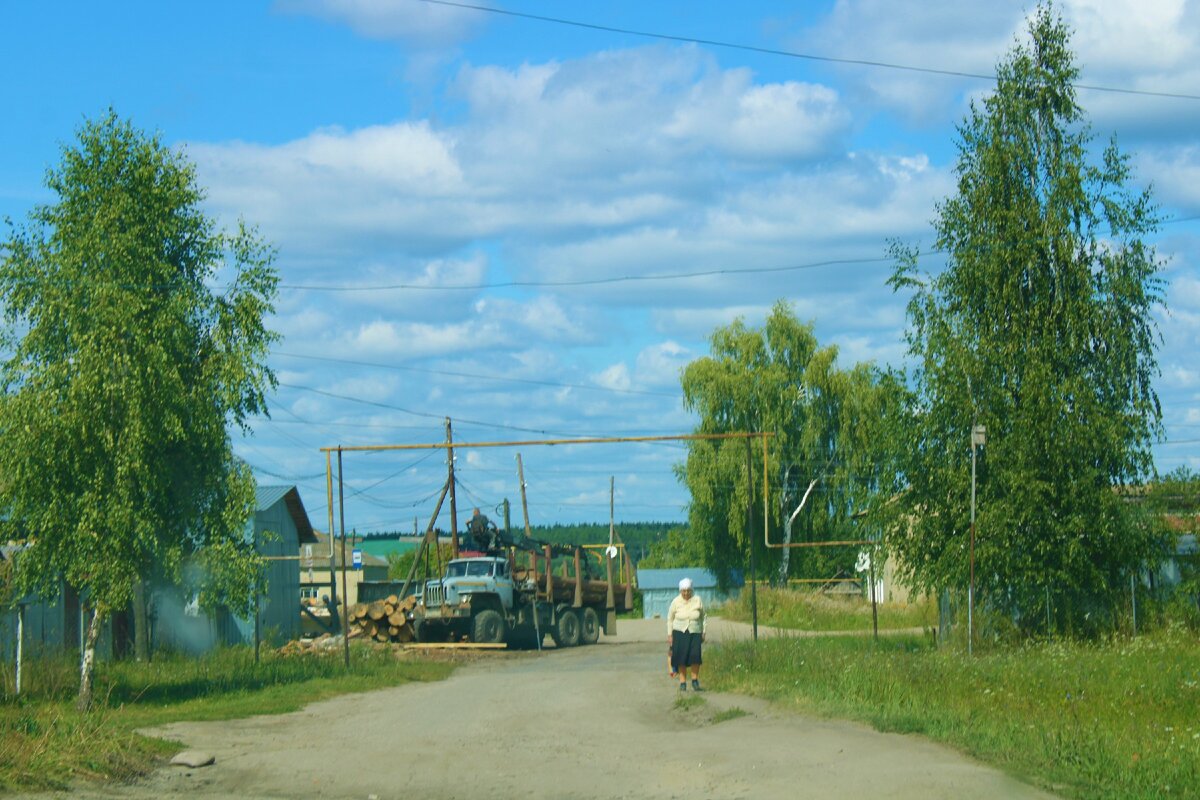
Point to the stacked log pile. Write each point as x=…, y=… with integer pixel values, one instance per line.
x=383, y=620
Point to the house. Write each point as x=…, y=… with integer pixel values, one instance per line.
x=56, y=623
x=659, y=587
x=314, y=572
x=279, y=529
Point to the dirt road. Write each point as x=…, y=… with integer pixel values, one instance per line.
x=588, y=722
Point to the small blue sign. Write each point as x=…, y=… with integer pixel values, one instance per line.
x=356, y=558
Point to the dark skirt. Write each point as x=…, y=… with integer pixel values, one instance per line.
x=685, y=650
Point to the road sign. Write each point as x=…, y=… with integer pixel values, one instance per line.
x=356, y=558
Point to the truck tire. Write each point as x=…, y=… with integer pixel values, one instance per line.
x=488, y=627
x=566, y=632
x=589, y=626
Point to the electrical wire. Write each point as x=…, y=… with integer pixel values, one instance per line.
x=477, y=376
x=859, y=62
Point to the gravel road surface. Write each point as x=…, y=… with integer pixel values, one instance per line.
x=586, y=722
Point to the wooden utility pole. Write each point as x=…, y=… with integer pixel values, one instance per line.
x=333, y=594
x=345, y=618
x=524, y=501
x=453, y=504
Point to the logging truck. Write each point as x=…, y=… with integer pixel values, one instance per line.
x=491, y=597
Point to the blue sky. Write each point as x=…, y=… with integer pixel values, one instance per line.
x=401, y=143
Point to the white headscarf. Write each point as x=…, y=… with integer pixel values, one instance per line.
x=686, y=583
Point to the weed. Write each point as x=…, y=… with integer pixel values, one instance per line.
x=686, y=702
x=728, y=714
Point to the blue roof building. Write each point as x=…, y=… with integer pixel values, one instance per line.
x=659, y=587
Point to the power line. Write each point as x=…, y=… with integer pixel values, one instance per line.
x=497, y=425
x=669, y=276
x=554, y=384
x=859, y=62
x=660, y=276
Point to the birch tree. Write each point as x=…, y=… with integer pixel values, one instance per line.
x=1039, y=328
x=825, y=422
x=135, y=337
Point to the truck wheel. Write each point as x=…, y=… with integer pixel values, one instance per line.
x=566, y=632
x=488, y=627
x=589, y=626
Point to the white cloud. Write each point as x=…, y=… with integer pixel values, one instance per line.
x=422, y=24
x=1185, y=294
x=659, y=365
x=545, y=154
x=615, y=376
x=1132, y=44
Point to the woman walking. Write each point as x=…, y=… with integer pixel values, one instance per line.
x=685, y=633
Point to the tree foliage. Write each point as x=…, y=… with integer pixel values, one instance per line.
x=124, y=368
x=825, y=423
x=1040, y=329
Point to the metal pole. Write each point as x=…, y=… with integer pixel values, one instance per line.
x=20, y=643
x=257, y=629
x=971, y=585
x=453, y=502
x=874, y=606
x=345, y=591
x=1133, y=597
x=749, y=522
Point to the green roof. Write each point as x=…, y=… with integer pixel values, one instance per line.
x=382, y=547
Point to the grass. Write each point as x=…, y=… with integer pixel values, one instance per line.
x=1114, y=719
x=686, y=702
x=787, y=608
x=46, y=744
x=730, y=713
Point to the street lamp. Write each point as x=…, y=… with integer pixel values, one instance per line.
x=978, y=439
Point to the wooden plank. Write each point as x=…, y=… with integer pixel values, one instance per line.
x=455, y=646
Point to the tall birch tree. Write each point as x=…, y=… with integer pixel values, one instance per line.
x=135, y=337
x=1039, y=328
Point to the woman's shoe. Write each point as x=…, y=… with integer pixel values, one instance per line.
x=696, y=686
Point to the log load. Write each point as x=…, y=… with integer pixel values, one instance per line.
x=383, y=620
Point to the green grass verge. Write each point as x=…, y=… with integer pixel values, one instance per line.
x=46, y=744
x=801, y=610
x=1109, y=720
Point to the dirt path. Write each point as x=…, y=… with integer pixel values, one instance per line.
x=590, y=722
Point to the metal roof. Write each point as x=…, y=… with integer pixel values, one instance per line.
x=267, y=496
x=670, y=578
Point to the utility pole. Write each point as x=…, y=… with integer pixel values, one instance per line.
x=333, y=594
x=978, y=439
x=345, y=593
x=750, y=536
x=453, y=505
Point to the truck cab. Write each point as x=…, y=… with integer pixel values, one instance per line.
x=480, y=582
